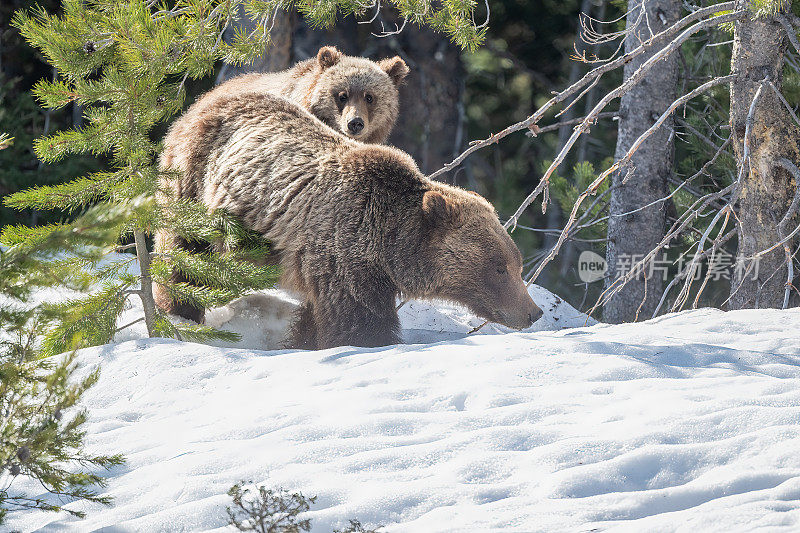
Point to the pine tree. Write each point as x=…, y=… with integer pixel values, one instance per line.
x=40, y=437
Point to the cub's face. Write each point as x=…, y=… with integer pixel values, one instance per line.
x=478, y=264
x=356, y=96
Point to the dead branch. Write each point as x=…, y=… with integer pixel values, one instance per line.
x=577, y=98
x=791, y=33
x=790, y=213
x=699, y=135
x=602, y=69
x=558, y=125
x=619, y=91
x=694, y=265
x=785, y=103
x=592, y=36
x=683, y=273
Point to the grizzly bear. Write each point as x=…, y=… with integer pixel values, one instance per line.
x=352, y=225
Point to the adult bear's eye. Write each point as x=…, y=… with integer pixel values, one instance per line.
x=368, y=98
x=342, y=97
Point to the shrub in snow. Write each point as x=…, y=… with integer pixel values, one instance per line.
x=267, y=510
x=276, y=511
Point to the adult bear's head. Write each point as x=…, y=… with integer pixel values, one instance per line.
x=356, y=96
x=475, y=262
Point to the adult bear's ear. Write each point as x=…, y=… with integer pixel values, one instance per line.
x=395, y=67
x=439, y=209
x=328, y=56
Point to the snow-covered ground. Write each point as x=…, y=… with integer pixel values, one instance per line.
x=688, y=422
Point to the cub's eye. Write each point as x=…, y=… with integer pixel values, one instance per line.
x=368, y=98
x=501, y=270
x=342, y=97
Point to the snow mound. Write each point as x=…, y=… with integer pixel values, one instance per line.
x=687, y=422
x=262, y=319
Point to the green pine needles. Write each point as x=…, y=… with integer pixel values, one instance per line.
x=38, y=440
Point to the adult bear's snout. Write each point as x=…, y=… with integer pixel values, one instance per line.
x=520, y=315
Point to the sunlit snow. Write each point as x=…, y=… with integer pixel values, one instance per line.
x=688, y=422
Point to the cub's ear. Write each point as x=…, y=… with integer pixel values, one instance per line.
x=439, y=209
x=328, y=56
x=396, y=68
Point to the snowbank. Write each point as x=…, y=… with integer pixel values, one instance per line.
x=686, y=422
x=262, y=319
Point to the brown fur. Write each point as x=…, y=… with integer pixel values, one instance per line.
x=353, y=225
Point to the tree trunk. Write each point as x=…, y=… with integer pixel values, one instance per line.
x=146, y=291
x=766, y=189
x=632, y=235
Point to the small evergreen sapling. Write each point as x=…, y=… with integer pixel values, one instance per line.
x=40, y=433
x=268, y=511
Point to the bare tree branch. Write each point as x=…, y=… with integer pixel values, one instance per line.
x=619, y=91
x=795, y=172
x=590, y=76
x=572, y=122
x=682, y=274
